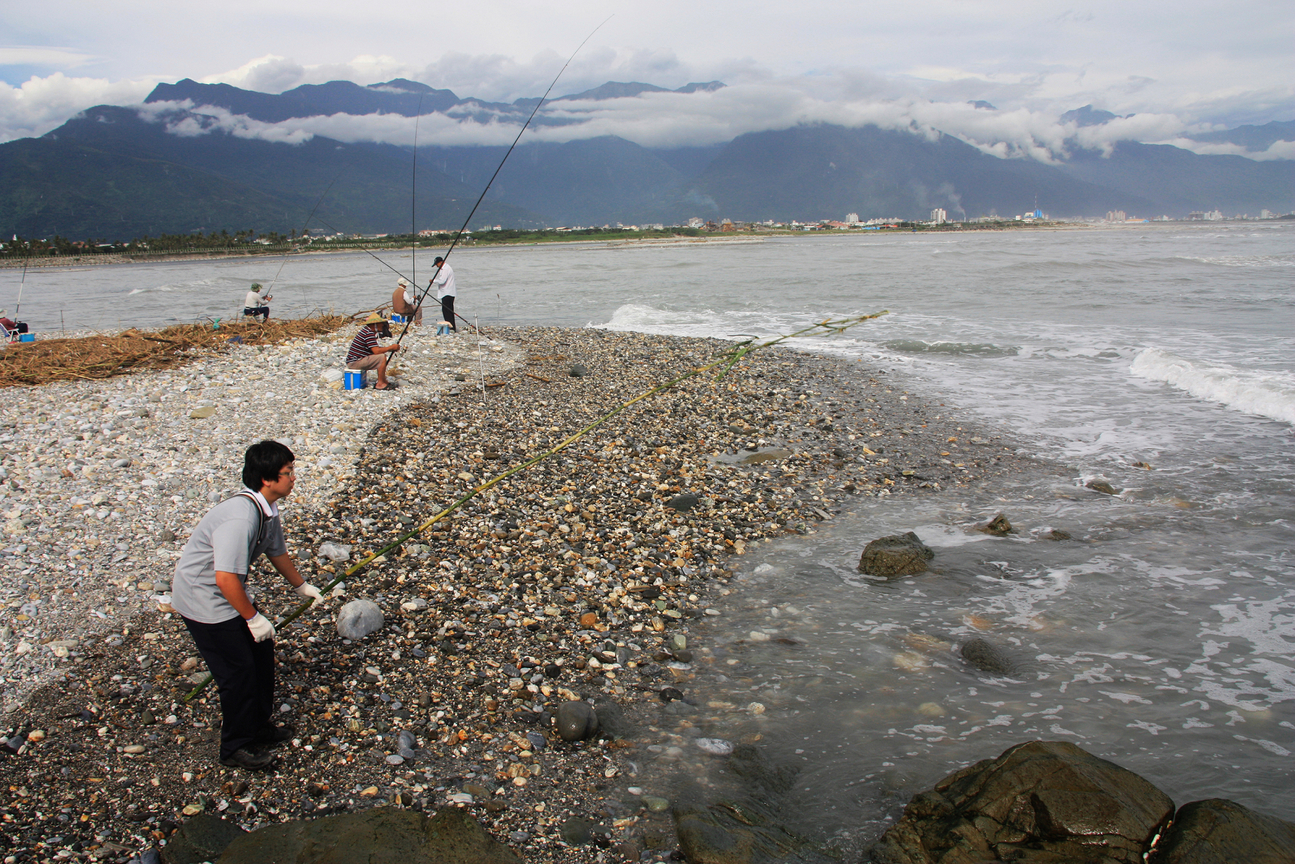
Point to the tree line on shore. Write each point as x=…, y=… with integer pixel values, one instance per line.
x=252, y=242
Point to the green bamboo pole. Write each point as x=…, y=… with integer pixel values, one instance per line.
x=727, y=360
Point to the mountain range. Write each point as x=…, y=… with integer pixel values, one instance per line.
x=186, y=161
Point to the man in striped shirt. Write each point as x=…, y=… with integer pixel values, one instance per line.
x=366, y=353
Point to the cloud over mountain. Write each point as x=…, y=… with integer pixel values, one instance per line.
x=658, y=118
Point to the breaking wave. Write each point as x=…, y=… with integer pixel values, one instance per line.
x=1268, y=394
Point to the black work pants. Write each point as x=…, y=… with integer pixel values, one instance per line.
x=244, y=673
x=447, y=310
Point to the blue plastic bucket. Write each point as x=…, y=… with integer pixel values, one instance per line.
x=443, y=329
x=398, y=319
x=354, y=379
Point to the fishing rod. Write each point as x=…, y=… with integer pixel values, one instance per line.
x=413, y=203
x=309, y=216
x=725, y=362
x=22, y=284
x=490, y=182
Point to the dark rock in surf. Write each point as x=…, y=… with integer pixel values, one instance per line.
x=1039, y=801
x=576, y=721
x=998, y=526
x=1218, y=830
x=1101, y=486
x=987, y=657
x=1058, y=534
x=759, y=774
x=579, y=371
x=895, y=556
x=610, y=720
x=380, y=834
x=202, y=838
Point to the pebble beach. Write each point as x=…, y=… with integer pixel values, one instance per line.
x=572, y=581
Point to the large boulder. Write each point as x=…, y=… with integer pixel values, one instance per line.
x=1042, y=802
x=895, y=556
x=1207, y=832
x=383, y=835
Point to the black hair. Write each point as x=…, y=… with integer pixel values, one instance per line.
x=263, y=461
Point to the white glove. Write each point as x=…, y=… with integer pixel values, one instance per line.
x=261, y=627
x=306, y=590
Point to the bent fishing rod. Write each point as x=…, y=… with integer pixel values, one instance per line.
x=724, y=362
x=304, y=228
x=455, y=242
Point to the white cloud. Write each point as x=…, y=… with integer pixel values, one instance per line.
x=42, y=55
x=665, y=119
x=1277, y=150
x=43, y=104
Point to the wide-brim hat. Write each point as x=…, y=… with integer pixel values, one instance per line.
x=402, y=283
x=375, y=318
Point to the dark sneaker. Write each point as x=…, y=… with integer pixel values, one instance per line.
x=276, y=735
x=247, y=760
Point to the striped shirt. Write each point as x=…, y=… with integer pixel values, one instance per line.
x=363, y=344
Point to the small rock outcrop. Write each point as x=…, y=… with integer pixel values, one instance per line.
x=1101, y=486
x=383, y=835
x=998, y=526
x=358, y=619
x=987, y=657
x=1042, y=801
x=1215, y=830
x=895, y=556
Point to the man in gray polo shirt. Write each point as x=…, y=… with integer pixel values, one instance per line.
x=236, y=640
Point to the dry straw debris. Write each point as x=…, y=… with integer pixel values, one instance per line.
x=103, y=356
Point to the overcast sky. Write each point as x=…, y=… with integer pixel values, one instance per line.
x=1181, y=67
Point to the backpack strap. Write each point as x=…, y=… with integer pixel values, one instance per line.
x=259, y=512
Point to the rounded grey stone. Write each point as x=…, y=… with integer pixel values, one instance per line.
x=358, y=619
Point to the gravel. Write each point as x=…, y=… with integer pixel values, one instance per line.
x=574, y=579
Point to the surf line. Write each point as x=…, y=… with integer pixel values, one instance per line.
x=724, y=362
x=455, y=242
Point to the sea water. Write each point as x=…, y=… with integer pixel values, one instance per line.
x=1158, y=358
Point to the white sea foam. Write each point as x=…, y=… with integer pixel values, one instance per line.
x=1268, y=394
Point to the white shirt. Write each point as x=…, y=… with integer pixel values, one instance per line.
x=444, y=281
x=253, y=300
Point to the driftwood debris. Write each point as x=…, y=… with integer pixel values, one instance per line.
x=31, y=364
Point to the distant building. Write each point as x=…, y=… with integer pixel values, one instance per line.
x=939, y=216
x=852, y=218
x=696, y=222
x=1115, y=216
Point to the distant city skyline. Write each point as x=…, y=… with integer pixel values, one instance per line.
x=1195, y=67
